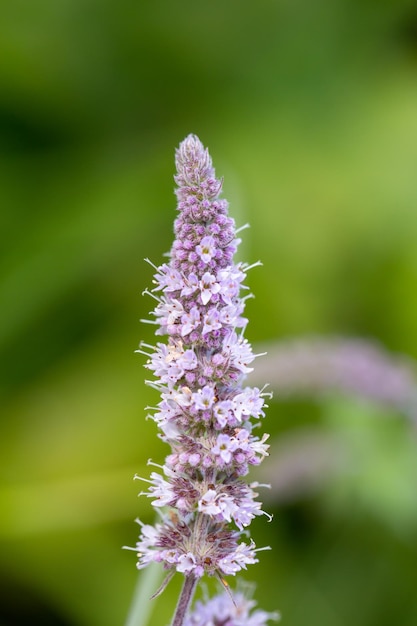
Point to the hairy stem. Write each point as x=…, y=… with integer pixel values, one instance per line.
x=184, y=600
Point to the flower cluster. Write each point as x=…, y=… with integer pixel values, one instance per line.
x=205, y=412
x=220, y=610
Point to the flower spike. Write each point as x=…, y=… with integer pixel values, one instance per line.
x=205, y=412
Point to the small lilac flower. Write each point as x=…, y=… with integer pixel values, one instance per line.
x=207, y=504
x=204, y=398
x=161, y=490
x=186, y=563
x=240, y=352
x=228, y=508
x=211, y=321
x=206, y=249
x=230, y=284
x=190, y=321
x=190, y=284
x=231, y=316
x=249, y=402
x=259, y=448
x=188, y=360
x=224, y=448
x=194, y=459
x=183, y=398
x=209, y=287
x=242, y=556
x=222, y=412
x=167, y=278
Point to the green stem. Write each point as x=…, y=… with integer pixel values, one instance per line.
x=184, y=600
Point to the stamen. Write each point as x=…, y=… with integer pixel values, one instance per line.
x=244, y=227
x=146, y=292
x=249, y=267
x=152, y=264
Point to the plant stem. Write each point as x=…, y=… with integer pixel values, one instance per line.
x=142, y=606
x=185, y=598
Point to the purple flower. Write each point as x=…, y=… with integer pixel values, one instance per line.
x=190, y=284
x=208, y=287
x=206, y=249
x=208, y=504
x=221, y=610
x=222, y=412
x=190, y=321
x=211, y=321
x=186, y=563
x=224, y=448
x=204, y=398
x=249, y=402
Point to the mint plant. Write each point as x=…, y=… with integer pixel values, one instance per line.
x=205, y=413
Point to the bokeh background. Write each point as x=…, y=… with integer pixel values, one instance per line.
x=309, y=109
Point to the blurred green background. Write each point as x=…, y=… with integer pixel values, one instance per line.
x=309, y=109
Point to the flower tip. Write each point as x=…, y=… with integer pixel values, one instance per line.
x=193, y=161
x=191, y=142
x=190, y=148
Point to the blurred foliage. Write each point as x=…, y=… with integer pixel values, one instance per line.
x=309, y=111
